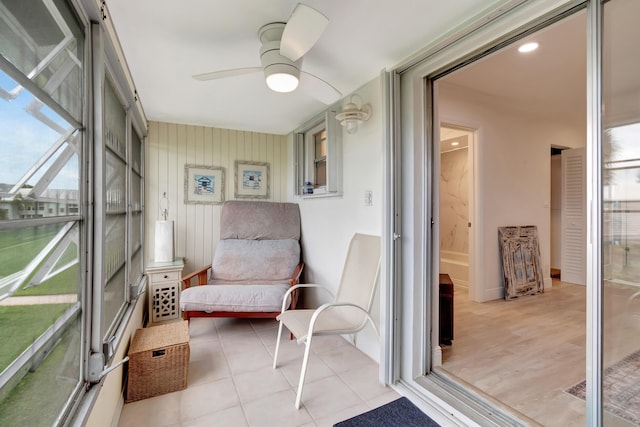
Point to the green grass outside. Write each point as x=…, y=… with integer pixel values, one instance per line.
x=40, y=396
x=19, y=247
x=64, y=283
x=53, y=381
x=21, y=325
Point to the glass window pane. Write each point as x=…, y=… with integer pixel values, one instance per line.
x=137, y=269
x=136, y=231
x=40, y=357
x=115, y=121
x=321, y=174
x=114, y=269
x=116, y=196
x=320, y=162
x=621, y=213
x=49, y=382
x=136, y=190
x=115, y=243
x=39, y=170
x=136, y=153
x=40, y=280
x=44, y=41
x=321, y=144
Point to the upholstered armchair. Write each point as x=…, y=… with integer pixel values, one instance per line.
x=256, y=261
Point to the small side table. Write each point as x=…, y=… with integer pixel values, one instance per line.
x=164, y=290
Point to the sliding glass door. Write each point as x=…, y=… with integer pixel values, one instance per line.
x=610, y=132
x=621, y=213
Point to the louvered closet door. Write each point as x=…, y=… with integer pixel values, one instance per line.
x=574, y=218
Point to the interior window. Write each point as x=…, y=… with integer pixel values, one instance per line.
x=319, y=157
x=320, y=162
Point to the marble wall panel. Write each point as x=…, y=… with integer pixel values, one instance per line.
x=454, y=201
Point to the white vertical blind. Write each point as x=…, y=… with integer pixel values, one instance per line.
x=574, y=218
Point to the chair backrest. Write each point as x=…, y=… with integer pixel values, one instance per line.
x=360, y=272
x=252, y=220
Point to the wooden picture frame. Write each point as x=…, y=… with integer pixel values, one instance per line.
x=203, y=185
x=251, y=180
x=521, y=265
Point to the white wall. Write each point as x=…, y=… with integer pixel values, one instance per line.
x=108, y=406
x=329, y=223
x=513, y=171
x=169, y=147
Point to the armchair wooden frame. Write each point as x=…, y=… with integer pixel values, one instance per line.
x=202, y=278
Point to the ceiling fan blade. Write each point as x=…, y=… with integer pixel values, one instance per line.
x=304, y=28
x=226, y=73
x=320, y=89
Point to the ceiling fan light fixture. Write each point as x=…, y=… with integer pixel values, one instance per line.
x=282, y=78
x=281, y=74
x=351, y=116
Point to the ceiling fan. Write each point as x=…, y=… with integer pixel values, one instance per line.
x=283, y=48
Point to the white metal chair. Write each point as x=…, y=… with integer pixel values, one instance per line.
x=350, y=310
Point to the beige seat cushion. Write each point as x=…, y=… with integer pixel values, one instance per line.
x=235, y=297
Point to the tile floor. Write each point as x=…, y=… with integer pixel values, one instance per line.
x=232, y=382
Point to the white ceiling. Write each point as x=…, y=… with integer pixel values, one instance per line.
x=551, y=80
x=166, y=42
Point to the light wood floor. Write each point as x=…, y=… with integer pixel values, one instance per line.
x=527, y=352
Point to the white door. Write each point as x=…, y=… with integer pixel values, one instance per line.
x=574, y=216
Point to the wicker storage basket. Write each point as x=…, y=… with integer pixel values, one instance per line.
x=158, y=361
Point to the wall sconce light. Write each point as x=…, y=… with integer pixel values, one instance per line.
x=351, y=115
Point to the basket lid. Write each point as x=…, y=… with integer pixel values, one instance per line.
x=160, y=336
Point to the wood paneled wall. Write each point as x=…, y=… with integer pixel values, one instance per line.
x=169, y=147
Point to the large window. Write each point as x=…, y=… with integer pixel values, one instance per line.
x=71, y=209
x=121, y=217
x=41, y=222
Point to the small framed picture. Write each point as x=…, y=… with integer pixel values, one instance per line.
x=252, y=180
x=203, y=185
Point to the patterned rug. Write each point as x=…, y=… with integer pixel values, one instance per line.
x=620, y=388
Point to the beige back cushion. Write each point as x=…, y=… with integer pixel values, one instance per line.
x=253, y=261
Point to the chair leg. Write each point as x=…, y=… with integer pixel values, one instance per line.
x=303, y=372
x=275, y=354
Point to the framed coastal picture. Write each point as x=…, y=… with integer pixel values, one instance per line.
x=203, y=185
x=252, y=180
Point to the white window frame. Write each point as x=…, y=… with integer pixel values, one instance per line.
x=304, y=155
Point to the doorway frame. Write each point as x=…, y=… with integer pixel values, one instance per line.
x=476, y=291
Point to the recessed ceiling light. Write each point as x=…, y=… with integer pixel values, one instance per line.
x=455, y=143
x=528, y=47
